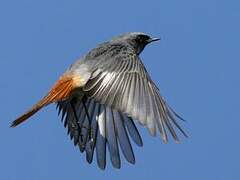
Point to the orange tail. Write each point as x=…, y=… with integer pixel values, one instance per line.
x=61, y=90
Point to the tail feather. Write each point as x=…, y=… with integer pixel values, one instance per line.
x=26, y=115
x=60, y=91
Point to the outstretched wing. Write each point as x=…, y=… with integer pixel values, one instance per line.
x=118, y=91
x=123, y=83
x=100, y=128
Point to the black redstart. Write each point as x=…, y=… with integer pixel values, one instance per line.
x=101, y=95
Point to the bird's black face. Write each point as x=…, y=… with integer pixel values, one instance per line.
x=141, y=40
x=137, y=40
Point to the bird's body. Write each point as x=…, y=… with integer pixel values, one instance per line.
x=101, y=94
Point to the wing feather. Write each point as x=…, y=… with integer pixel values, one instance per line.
x=101, y=138
x=111, y=139
x=123, y=137
x=127, y=87
x=90, y=146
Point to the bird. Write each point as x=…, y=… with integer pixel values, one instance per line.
x=102, y=95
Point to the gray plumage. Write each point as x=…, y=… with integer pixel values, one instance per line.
x=117, y=90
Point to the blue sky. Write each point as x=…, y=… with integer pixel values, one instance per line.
x=196, y=66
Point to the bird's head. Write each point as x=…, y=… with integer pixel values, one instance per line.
x=137, y=40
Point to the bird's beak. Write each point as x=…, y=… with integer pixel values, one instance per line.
x=153, y=39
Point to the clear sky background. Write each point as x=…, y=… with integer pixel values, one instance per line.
x=196, y=66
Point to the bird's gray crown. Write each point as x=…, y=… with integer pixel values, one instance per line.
x=138, y=40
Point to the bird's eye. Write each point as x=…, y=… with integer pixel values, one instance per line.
x=139, y=39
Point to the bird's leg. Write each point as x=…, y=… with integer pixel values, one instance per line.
x=90, y=130
x=73, y=102
x=86, y=126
